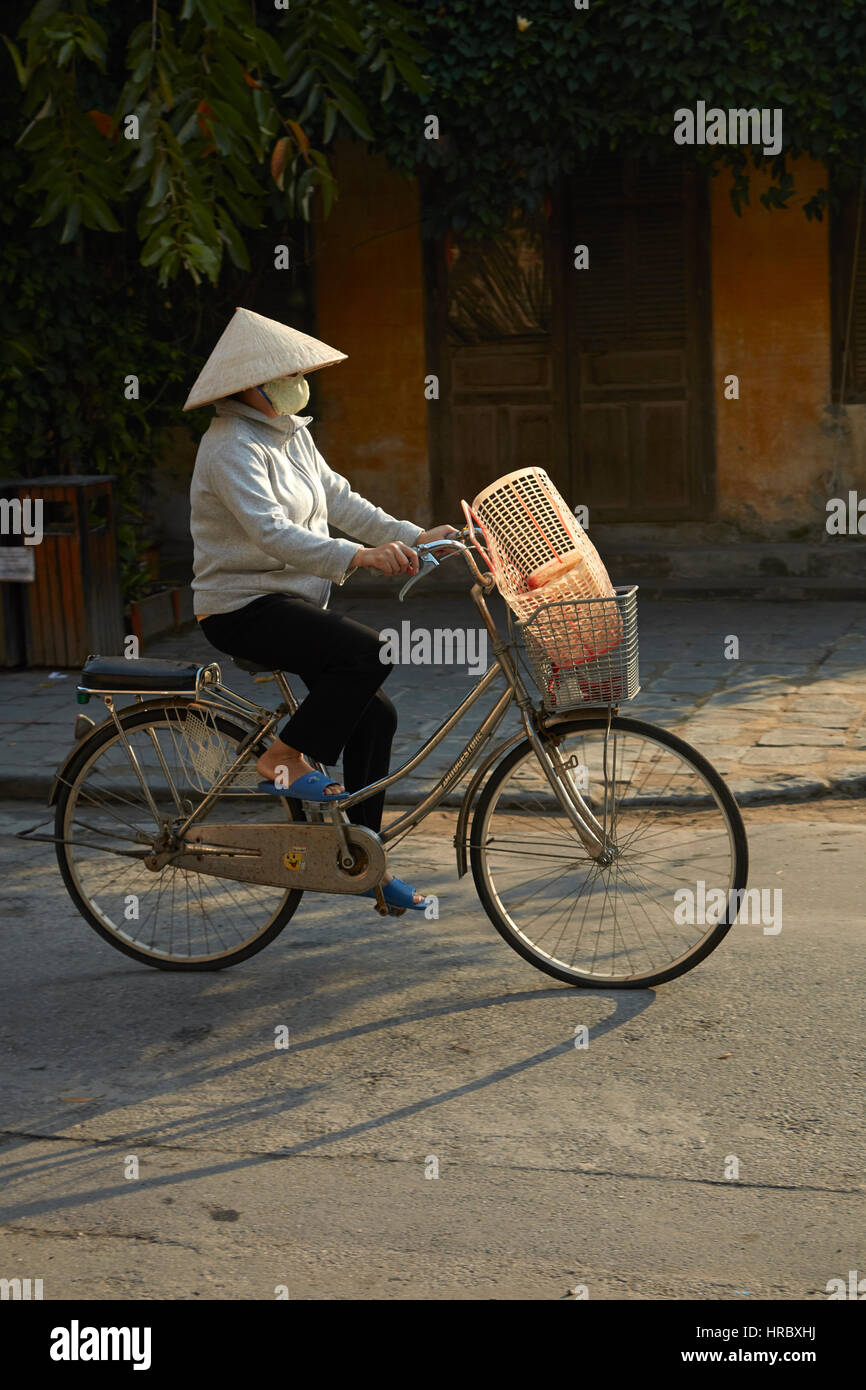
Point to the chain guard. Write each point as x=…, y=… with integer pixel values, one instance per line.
x=282, y=856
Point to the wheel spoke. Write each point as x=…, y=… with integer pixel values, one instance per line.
x=172, y=915
x=670, y=826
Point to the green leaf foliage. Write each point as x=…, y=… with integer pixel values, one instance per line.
x=127, y=256
x=78, y=318
x=519, y=110
x=171, y=114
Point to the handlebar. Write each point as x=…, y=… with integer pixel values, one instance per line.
x=427, y=561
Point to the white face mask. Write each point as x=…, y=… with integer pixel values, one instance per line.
x=287, y=394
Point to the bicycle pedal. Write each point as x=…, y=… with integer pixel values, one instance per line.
x=385, y=909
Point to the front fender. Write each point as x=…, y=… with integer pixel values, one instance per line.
x=461, y=836
x=472, y=790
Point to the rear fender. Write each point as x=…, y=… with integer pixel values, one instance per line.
x=60, y=775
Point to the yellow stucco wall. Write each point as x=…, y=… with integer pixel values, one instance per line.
x=779, y=454
x=372, y=415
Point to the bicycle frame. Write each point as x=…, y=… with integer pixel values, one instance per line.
x=592, y=834
x=213, y=695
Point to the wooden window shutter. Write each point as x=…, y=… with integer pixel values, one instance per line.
x=631, y=218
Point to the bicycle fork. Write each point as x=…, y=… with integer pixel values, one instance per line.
x=593, y=835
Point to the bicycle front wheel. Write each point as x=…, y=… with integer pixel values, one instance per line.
x=671, y=890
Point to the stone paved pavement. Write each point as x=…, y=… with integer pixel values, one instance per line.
x=785, y=719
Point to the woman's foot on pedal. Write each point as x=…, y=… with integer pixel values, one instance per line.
x=288, y=764
x=399, y=894
x=417, y=897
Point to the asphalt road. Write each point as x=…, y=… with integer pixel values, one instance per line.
x=304, y=1168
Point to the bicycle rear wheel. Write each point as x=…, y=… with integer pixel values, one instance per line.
x=172, y=919
x=679, y=844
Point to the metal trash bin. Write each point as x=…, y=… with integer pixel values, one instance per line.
x=72, y=605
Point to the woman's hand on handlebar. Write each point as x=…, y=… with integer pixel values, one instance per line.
x=438, y=533
x=393, y=558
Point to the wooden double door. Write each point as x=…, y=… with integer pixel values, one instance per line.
x=592, y=363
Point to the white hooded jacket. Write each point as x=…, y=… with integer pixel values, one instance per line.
x=261, y=500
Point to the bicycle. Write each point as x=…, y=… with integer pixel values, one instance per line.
x=579, y=830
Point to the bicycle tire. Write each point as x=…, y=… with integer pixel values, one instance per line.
x=501, y=922
x=131, y=721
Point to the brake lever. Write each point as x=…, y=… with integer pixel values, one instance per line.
x=426, y=562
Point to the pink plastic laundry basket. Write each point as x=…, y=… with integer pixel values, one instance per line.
x=539, y=554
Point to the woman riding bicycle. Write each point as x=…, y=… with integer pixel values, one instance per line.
x=264, y=561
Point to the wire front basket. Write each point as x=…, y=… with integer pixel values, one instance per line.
x=571, y=655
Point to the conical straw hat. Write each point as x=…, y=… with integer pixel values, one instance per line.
x=254, y=349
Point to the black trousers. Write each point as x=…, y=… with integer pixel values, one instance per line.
x=338, y=660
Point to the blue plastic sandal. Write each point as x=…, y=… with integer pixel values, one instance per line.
x=397, y=894
x=310, y=787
